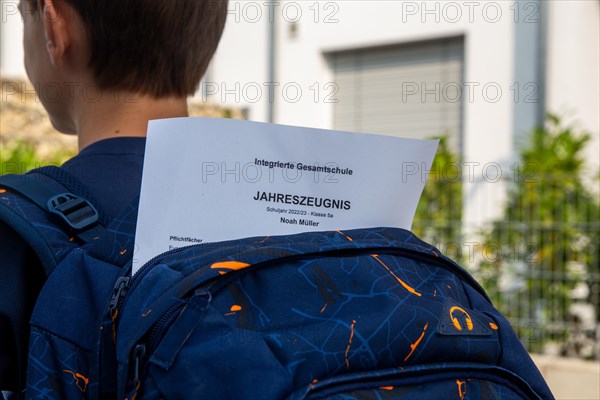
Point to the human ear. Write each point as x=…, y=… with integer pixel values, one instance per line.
x=55, y=20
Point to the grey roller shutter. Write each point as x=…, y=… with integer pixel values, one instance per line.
x=409, y=90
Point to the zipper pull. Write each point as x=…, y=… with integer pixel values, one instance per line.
x=133, y=385
x=138, y=353
x=201, y=298
x=119, y=292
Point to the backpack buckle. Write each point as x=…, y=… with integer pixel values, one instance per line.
x=79, y=214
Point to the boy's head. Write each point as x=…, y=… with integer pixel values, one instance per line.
x=158, y=48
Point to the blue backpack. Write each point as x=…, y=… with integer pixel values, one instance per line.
x=361, y=314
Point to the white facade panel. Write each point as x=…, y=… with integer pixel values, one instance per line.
x=488, y=63
x=11, y=40
x=238, y=74
x=499, y=48
x=573, y=69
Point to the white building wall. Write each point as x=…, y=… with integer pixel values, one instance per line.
x=496, y=57
x=502, y=51
x=239, y=69
x=573, y=69
x=489, y=60
x=11, y=40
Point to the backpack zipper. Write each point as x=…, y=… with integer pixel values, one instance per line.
x=124, y=283
x=213, y=286
x=148, y=346
x=395, y=378
x=157, y=327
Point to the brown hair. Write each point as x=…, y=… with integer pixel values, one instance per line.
x=155, y=47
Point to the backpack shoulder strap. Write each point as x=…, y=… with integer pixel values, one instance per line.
x=117, y=245
x=47, y=215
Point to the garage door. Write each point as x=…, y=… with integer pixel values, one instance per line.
x=409, y=90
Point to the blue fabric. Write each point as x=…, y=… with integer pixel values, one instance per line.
x=369, y=313
x=304, y=316
x=112, y=170
x=338, y=315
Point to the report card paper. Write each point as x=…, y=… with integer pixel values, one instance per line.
x=208, y=180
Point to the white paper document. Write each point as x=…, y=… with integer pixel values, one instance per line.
x=210, y=179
